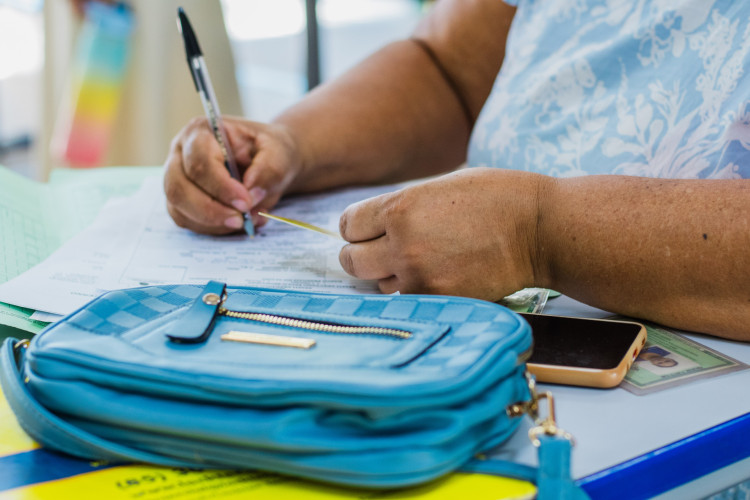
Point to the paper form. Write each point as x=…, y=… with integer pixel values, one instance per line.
x=21, y=318
x=27, y=235
x=134, y=242
x=36, y=218
x=73, y=274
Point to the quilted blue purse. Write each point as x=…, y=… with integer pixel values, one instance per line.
x=364, y=390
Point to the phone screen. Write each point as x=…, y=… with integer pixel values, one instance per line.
x=580, y=342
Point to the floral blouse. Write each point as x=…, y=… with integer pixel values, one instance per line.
x=657, y=88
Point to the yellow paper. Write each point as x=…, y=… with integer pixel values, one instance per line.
x=152, y=483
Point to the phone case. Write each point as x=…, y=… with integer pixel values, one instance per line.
x=590, y=377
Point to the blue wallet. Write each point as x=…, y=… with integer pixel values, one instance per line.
x=363, y=390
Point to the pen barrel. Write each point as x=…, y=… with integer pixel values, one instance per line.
x=213, y=113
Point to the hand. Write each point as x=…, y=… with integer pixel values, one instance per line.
x=201, y=194
x=470, y=233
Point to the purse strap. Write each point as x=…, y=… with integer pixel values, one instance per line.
x=552, y=477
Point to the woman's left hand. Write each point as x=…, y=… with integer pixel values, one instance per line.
x=469, y=233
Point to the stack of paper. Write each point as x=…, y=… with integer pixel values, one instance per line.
x=35, y=219
x=134, y=242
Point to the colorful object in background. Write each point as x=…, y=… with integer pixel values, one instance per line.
x=98, y=72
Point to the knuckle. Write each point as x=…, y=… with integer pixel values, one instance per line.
x=195, y=123
x=399, y=206
x=344, y=223
x=346, y=260
x=174, y=145
x=196, y=169
x=173, y=191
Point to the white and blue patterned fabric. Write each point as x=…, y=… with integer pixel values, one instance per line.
x=657, y=88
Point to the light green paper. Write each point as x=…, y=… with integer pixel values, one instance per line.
x=19, y=317
x=36, y=218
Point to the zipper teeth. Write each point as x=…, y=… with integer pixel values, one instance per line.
x=315, y=325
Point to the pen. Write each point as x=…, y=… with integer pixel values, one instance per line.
x=199, y=72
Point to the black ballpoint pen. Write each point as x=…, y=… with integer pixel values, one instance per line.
x=199, y=72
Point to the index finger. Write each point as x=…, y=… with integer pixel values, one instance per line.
x=190, y=206
x=203, y=163
x=366, y=220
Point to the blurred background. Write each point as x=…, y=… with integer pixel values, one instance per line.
x=262, y=55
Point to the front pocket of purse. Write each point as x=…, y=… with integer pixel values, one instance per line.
x=293, y=339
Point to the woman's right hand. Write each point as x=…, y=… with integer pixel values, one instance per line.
x=202, y=195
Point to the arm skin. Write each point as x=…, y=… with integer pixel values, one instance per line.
x=673, y=251
x=394, y=116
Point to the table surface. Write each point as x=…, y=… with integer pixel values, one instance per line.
x=612, y=426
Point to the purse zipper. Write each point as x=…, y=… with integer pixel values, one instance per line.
x=318, y=326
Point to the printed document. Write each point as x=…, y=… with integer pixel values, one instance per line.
x=36, y=218
x=134, y=242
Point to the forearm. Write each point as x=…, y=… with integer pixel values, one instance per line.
x=672, y=251
x=388, y=119
x=403, y=113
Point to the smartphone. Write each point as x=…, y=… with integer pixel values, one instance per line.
x=582, y=351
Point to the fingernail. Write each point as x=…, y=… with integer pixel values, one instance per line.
x=257, y=194
x=240, y=205
x=234, y=222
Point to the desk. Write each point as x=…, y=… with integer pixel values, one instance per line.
x=674, y=442
x=639, y=446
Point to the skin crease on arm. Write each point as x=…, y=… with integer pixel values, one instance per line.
x=395, y=115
